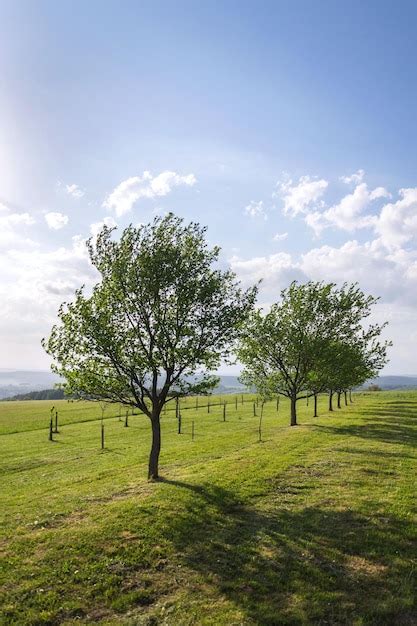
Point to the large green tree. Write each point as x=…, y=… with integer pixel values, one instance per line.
x=161, y=316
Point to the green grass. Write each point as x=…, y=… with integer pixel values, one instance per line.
x=313, y=525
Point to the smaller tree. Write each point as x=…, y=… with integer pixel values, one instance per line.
x=280, y=350
x=312, y=341
x=374, y=388
x=353, y=363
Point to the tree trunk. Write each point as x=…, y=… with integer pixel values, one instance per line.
x=346, y=402
x=293, y=411
x=350, y=395
x=338, y=399
x=315, y=405
x=330, y=400
x=155, y=448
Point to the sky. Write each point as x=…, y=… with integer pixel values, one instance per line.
x=288, y=128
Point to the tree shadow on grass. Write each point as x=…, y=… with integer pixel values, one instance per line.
x=387, y=433
x=379, y=453
x=294, y=565
x=379, y=423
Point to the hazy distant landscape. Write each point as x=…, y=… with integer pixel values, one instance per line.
x=15, y=382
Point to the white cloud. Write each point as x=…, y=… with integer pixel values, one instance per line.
x=34, y=283
x=276, y=271
x=356, y=178
x=10, y=220
x=74, y=191
x=129, y=191
x=379, y=192
x=300, y=197
x=305, y=198
x=256, y=209
x=348, y=213
x=56, y=220
x=280, y=236
x=13, y=228
x=397, y=222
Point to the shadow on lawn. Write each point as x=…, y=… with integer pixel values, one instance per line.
x=397, y=424
x=291, y=564
x=310, y=565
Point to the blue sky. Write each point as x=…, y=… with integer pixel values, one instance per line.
x=289, y=128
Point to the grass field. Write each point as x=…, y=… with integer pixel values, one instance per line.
x=313, y=525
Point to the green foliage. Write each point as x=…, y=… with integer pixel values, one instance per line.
x=310, y=341
x=161, y=314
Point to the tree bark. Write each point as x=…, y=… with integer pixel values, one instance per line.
x=346, y=402
x=293, y=411
x=338, y=400
x=315, y=405
x=153, y=467
x=330, y=400
x=350, y=395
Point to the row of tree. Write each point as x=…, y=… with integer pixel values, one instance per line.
x=164, y=315
x=312, y=341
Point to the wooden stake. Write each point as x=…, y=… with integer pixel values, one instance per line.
x=260, y=421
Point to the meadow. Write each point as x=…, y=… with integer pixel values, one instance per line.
x=313, y=524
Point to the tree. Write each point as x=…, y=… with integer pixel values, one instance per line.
x=374, y=387
x=312, y=341
x=160, y=318
x=353, y=363
x=279, y=350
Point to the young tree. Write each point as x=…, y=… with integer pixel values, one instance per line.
x=312, y=341
x=353, y=363
x=279, y=350
x=161, y=313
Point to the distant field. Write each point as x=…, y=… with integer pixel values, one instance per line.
x=21, y=416
x=314, y=525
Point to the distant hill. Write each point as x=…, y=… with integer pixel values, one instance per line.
x=393, y=382
x=14, y=382
x=27, y=385
x=45, y=394
x=38, y=385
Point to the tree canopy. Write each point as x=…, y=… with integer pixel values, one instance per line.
x=162, y=316
x=312, y=340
